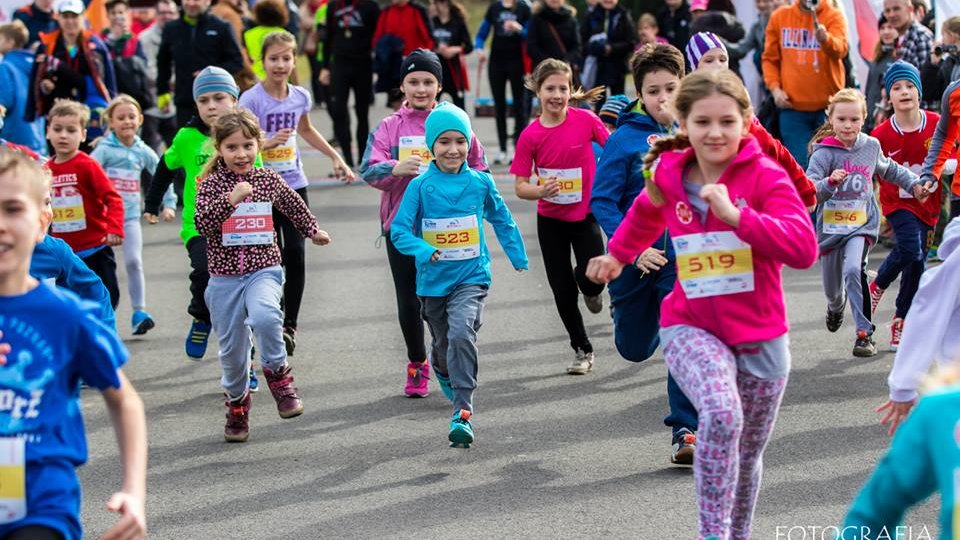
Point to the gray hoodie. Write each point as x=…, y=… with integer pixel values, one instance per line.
x=850, y=209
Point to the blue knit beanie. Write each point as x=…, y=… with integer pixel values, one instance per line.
x=612, y=108
x=899, y=71
x=446, y=117
x=214, y=79
x=700, y=44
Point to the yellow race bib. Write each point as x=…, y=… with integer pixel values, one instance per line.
x=415, y=145
x=456, y=239
x=571, y=184
x=844, y=217
x=713, y=264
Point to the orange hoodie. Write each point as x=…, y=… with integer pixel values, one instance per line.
x=807, y=70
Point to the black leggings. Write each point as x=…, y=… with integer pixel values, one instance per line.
x=33, y=532
x=358, y=76
x=293, y=255
x=199, y=276
x=502, y=72
x=104, y=265
x=556, y=239
x=404, y=270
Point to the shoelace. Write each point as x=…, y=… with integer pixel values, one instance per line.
x=895, y=332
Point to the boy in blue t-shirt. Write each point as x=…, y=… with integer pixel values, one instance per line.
x=53, y=341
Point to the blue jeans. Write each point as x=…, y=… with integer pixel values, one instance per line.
x=797, y=128
x=907, y=259
x=636, y=330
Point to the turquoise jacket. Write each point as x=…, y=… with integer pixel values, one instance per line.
x=445, y=212
x=924, y=458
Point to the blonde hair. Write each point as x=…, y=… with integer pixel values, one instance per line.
x=68, y=107
x=16, y=32
x=693, y=88
x=952, y=25
x=847, y=95
x=552, y=66
x=121, y=99
x=19, y=165
x=278, y=38
x=229, y=123
x=647, y=19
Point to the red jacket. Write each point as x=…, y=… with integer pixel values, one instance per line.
x=779, y=153
x=908, y=149
x=86, y=206
x=408, y=22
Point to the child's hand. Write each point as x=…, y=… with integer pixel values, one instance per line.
x=550, y=188
x=897, y=411
x=435, y=257
x=279, y=138
x=604, y=269
x=717, y=196
x=167, y=214
x=922, y=191
x=4, y=351
x=133, y=521
x=113, y=240
x=322, y=238
x=240, y=192
x=836, y=177
x=651, y=260
x=343, y=172
x=407, y=167
x=151, y=218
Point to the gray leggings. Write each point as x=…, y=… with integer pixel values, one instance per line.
x=844, y=271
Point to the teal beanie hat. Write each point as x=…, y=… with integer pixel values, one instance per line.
x=446, y=117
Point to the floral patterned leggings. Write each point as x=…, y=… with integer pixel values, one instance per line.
x=737, y=413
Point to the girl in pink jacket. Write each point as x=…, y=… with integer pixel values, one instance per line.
x=735, y=219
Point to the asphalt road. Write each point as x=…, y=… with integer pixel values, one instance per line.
x=557, y=456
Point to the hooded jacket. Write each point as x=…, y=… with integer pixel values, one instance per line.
x=436, y=195
x=774, y=225
x=383, y=153
x=854, y=195
x=542, y=42
x=124, y=166
x=15, y=96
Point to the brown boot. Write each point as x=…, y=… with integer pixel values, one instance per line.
x=237, y=428
x=284, y=392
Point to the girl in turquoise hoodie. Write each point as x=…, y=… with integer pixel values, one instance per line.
x=440, y=224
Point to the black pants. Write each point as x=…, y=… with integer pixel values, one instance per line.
x=185, y=111
x=199, y=276
x=404, y=270
x=33, y=532
x=349, y=75
x=450, y=88
x=500, y=74
x=157, y=131
x=104, y=264
x=293, y=255
x=556, y=239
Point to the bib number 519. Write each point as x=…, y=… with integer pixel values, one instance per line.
x=711, y=262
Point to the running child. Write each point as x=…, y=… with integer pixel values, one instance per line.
x=283, y=110
x=53, y=342
x=440, y=224
x=125, y=158
x=560, y=145
x=396, y=153
x=87, y=210
x=728, y=208
x=843, y=161
x=905, y=137
x=235, y=202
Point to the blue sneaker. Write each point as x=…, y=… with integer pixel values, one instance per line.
x=445, y=387
x=254, y=381
x=461, y=432
x=196, y=345
x=142, y=322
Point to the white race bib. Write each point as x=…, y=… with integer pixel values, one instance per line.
x=571, y=184
x=250, y=224
x=68, y=213
x=456, y=239
x=13, y=482
x=844, y=217
x=127, y=183
x=713, y=264
x=415, y=145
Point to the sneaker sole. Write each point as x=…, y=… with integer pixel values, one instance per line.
x=684, y=456
x=144, y=327
x=460, y=437
x=579, y=371
x=236, y=438
x=416, y=395
x=864, y=354
x=291, y=414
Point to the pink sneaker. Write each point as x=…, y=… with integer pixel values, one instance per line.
x=284, y=392
x=418, y=380
x=237, y=428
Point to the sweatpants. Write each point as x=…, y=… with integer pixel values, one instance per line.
x=907, y=259
x=501, y=72
x=635, y=299
x=404, y=271
x=844, y=270
x=133, y=261
x=738, y=410
x=557, y=238
x=294, y=259
x=103, y=262
x=454, y=321
x=197, y=249
x=356, y=75
x=239, y=305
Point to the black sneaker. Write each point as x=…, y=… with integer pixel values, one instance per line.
x=290, y=339
x=864, y=347
x=834, y=320
x=684, y=446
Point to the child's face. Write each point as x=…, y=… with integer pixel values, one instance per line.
x=119, y=17
x=21, y=226
x=450, y=151
x=888, y=34
x=847, y=121
x=554, y=94
x=420, y=88
x=279, y=62
x=65, y=134
x=764, y=7
x=239, y=152
x=715, y=126
x=648, y=32
x=125, y=121
x=656, y=93
x=714, y=59
x=904, y=97
x=213, y=104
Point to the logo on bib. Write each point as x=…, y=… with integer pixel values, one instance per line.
x=652, y=138
x=684, y=214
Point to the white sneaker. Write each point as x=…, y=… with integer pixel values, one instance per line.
x=594, y=303
x=501, y=158
x=582, y=363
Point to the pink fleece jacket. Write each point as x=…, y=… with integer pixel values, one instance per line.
x=773, y=222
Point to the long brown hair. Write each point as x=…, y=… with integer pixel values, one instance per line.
x=846, y=95
x=229, y=123
x=457, y=10
x=693, y=88
x=273, y=39
x=552, y=66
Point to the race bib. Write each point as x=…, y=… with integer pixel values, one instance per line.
x=282, y=159
x=456, y=239
x=13, y=483
x=571, y=184
x=844, y=217
x=251, y=224
x=904, y=194
x=415, y=146
x=68, y=214
x=713, y=264
x=127, y=183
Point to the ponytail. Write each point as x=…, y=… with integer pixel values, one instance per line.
x=590, y=96
x=826, y=130
x=666, y=144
